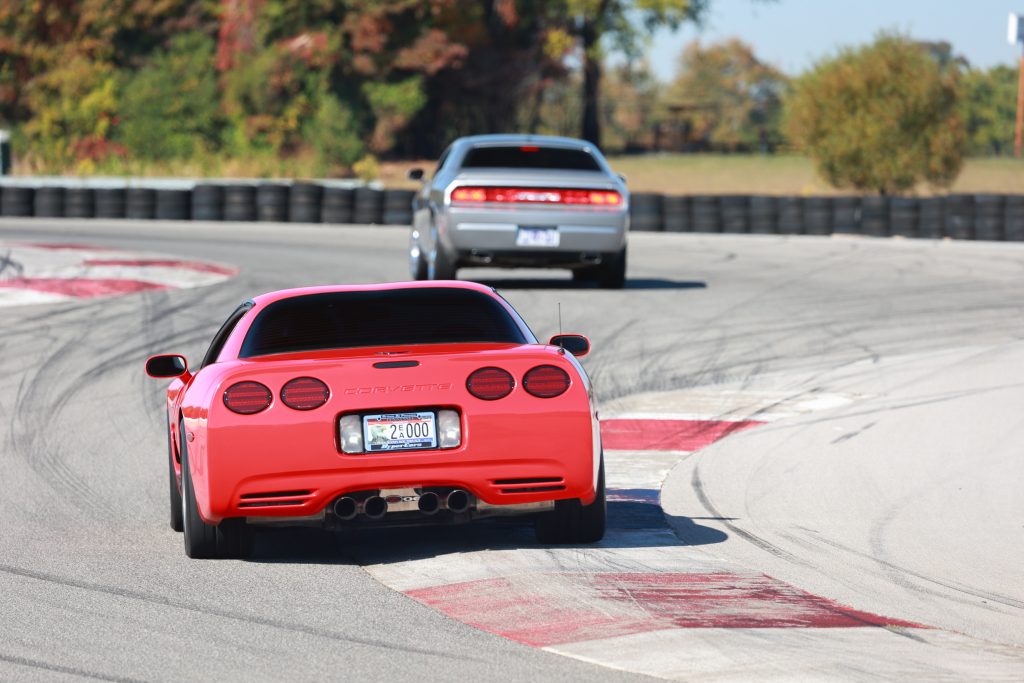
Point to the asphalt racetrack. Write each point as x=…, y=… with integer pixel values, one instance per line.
x=895, y=490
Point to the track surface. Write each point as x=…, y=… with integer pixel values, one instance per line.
x=94, y=584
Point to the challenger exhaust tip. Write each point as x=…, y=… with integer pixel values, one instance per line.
x=375, y=507
x=346, y=508
x=429, y=503
x=457, y=501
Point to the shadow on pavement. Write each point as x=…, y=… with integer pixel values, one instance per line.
x=631, y=524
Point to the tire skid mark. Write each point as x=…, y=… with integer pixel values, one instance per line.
x=177, y=603
x=70, y=670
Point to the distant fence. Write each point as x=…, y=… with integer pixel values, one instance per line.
x=957, y=216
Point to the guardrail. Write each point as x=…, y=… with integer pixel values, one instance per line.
x=956, y=216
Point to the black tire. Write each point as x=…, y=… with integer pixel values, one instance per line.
x=417, y=264
x=110, y=202
x=272, y=203
x=304, y=202
x=175, y=492
x=207, y=202
x=441, y=266
x=571, y=522
x=612, y=273
x=229, y=539
x=173, y=205
x=140, y=203
x=79, y=202
x=239, y=203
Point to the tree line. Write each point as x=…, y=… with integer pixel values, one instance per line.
x=322, y=86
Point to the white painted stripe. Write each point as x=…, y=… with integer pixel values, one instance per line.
x=27, y=297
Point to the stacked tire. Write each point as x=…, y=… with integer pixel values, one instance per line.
x=110, y=202
x=173, y=205
x=79, y=202
x=304, y=203
x=735, y=213
x=791, y=216
x=988, y=216
x=239, y=203
x=140, y=203
x=272, y=203
x=818, y=216
x=398, y=207
x=874, y=216
x=17, y=201
x=49, y=202
x=763, y=215
x=338, y=205
x=207, y=202
x=903, y=221
x=675, y=214
x=368, y=208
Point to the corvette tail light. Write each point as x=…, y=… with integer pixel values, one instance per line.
x=247, y=398
x=546, y=381
x=305, y=393
x=350, y=433
x=490, y=384
x=535, y=195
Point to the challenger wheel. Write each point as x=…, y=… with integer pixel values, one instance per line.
x=571, y=522
x=175, y=492
x=417, y=265
x=439, y=264
x=229, y=539
x=612, y=273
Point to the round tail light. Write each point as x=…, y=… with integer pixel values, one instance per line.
x=490, y=384
x=546, y=381
x=305, y=393
x=247, y=398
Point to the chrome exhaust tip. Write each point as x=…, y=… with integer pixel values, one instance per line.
x=346, y=508
x=375, y=507
x=457, y=501
x=429, y=503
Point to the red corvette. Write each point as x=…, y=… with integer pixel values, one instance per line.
x=400, y=404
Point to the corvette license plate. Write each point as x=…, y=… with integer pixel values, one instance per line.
x=537, y=237
x=399, y=432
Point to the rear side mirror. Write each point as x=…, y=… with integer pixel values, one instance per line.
x=166, y=366
x=576, y=344
x=415, y=174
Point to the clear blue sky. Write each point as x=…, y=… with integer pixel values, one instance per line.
x=793, y=34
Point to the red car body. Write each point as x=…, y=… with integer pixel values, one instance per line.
x=283, y=464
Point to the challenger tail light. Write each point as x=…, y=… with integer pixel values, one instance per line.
x=535, y=195
x=305, y=393
x=490, y=384
x=546, y=381
x=247, y=398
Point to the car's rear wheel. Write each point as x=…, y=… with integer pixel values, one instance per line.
x=229, y=539
x=612, y=273
x=572, y=522
x=175, y=492
x=440, y=266
x=417, y=264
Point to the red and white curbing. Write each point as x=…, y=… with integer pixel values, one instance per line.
x=643, y=601
x=38, y=273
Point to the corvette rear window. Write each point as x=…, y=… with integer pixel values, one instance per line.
x=398, y=317
x=527, y=156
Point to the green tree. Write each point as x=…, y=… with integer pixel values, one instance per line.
x=170, y=108
x=990, y=109
x=733, y=100
x=881, y=117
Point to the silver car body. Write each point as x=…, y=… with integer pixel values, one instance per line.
x=446, y=236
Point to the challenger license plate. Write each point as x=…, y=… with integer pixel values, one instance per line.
x=537, y=237
x=399, y=432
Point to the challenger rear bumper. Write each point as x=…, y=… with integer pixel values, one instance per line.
x=494, y=230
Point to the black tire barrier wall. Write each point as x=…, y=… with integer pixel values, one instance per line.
x=208, y=203
x=272, y=203
x=17, y=201
x=338, y=205
x=240, y=203
x=955, y=216
x=49, y=202
x=304, y=203
x=368, y=206
x=173, y=205
x=645, y=212
x=398, y=207
x=79, y=202
x=140, y=203
x=110, y=202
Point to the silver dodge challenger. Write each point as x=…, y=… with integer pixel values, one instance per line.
x=521, y=201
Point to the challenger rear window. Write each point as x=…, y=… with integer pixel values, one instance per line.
x=397, y=317
x=527, y=156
